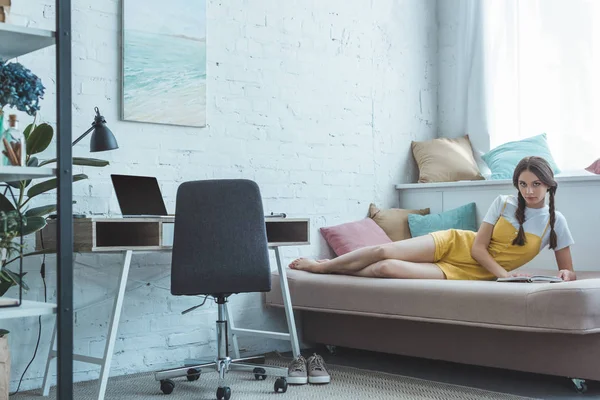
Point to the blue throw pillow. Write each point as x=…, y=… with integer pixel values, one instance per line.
x=503, y=159
x=463, y=217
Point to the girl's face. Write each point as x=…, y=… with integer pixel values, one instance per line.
x=532, y=189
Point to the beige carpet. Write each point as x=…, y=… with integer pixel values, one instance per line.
x=346, y=383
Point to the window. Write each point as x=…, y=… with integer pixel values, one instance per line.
x=543, y=71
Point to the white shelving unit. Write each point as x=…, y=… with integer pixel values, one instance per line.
x=17, y=40
x=26, y=309
x=11, y=174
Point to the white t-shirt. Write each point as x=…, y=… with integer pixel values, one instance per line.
x=535, y=221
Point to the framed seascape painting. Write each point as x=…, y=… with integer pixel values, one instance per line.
x=164, y=62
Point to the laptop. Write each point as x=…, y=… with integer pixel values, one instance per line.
x=139, y=196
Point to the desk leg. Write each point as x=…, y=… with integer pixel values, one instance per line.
x=109, y=347
x=114, y=325
x=51, y=355
x=292, y=335
x=287, y=301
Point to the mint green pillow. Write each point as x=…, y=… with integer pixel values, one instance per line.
x=503, y=159
x=463, y=217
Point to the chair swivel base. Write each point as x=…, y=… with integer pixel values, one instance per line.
x=223, y=365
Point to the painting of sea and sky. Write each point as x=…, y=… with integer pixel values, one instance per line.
x=164, y=61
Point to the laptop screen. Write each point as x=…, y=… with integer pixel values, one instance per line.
x=138, y=195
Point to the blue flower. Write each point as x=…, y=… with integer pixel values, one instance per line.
x=20, y=88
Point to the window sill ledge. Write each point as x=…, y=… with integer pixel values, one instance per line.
x=575, y=178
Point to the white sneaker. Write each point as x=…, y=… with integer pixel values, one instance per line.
x=297, y=372
x=317, y=372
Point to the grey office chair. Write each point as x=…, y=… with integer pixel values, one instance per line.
x=220, y=249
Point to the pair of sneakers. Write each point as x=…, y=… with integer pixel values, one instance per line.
x=313, y=370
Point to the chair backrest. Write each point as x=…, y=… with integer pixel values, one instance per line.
x=220, y=241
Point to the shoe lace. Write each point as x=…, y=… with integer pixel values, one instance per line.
x=317, y=363
x=298, y=364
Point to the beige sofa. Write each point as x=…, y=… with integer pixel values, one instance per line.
x=548, y=328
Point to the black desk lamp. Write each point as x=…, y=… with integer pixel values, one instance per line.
x=102, y=139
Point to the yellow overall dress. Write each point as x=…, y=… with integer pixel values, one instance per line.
x=453, y=250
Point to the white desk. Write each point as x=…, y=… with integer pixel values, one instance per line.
x=129, y=235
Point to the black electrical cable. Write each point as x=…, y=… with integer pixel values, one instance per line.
x=43, y=274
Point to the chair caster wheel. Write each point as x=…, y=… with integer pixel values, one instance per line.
x=259, y=373
x=223, y=393
x=580, y=385
x=193, y=374
x=167, y=386
x=281, y=383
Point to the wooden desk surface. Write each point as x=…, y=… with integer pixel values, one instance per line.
x=98, y=234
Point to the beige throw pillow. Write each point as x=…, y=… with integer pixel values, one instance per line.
x=394, y=221
x=446, y=160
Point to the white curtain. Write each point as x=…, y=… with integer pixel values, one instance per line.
x=529, y=67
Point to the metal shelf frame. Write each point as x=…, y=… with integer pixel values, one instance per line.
x=16, y=41
x=64, y=173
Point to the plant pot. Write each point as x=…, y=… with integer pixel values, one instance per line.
x=4, y=368
x=4, y=7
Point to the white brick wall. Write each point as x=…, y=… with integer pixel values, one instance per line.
x=315, y=100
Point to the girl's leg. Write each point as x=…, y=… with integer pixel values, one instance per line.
x=402, y=270
x=419, y=249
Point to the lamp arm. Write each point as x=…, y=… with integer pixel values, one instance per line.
x=82, y=136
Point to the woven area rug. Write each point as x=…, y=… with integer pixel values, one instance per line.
x=346, y=383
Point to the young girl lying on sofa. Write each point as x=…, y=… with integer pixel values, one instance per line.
x=513, y=232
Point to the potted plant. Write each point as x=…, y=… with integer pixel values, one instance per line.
x=38, y=138
x=21, y=89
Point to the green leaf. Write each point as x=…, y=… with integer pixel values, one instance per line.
x=5, y=204
x=27, y=131
x=15, y=184
x=90, y=162
x=33, y=162
x=50, y=184
x=39, y=139
x=33, y=224
x=3, y=332
x=40, y=211
x=16, y=278
x=5, y=284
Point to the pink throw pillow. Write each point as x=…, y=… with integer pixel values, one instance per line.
x=595, y=167
x=353, y=235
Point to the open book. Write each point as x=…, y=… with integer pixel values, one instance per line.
x=533, y=278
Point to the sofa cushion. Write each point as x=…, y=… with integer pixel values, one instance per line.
x=350, y=236
x=568, y=307
x=463, y=217
x=503, y=159
x=394, y=221
x=445, y=160
x=594, y=167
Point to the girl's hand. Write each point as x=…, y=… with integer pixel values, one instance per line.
x=567, y=275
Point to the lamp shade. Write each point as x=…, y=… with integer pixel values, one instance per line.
x=102, y=139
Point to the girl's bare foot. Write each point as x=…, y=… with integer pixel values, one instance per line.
x=306, y=264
